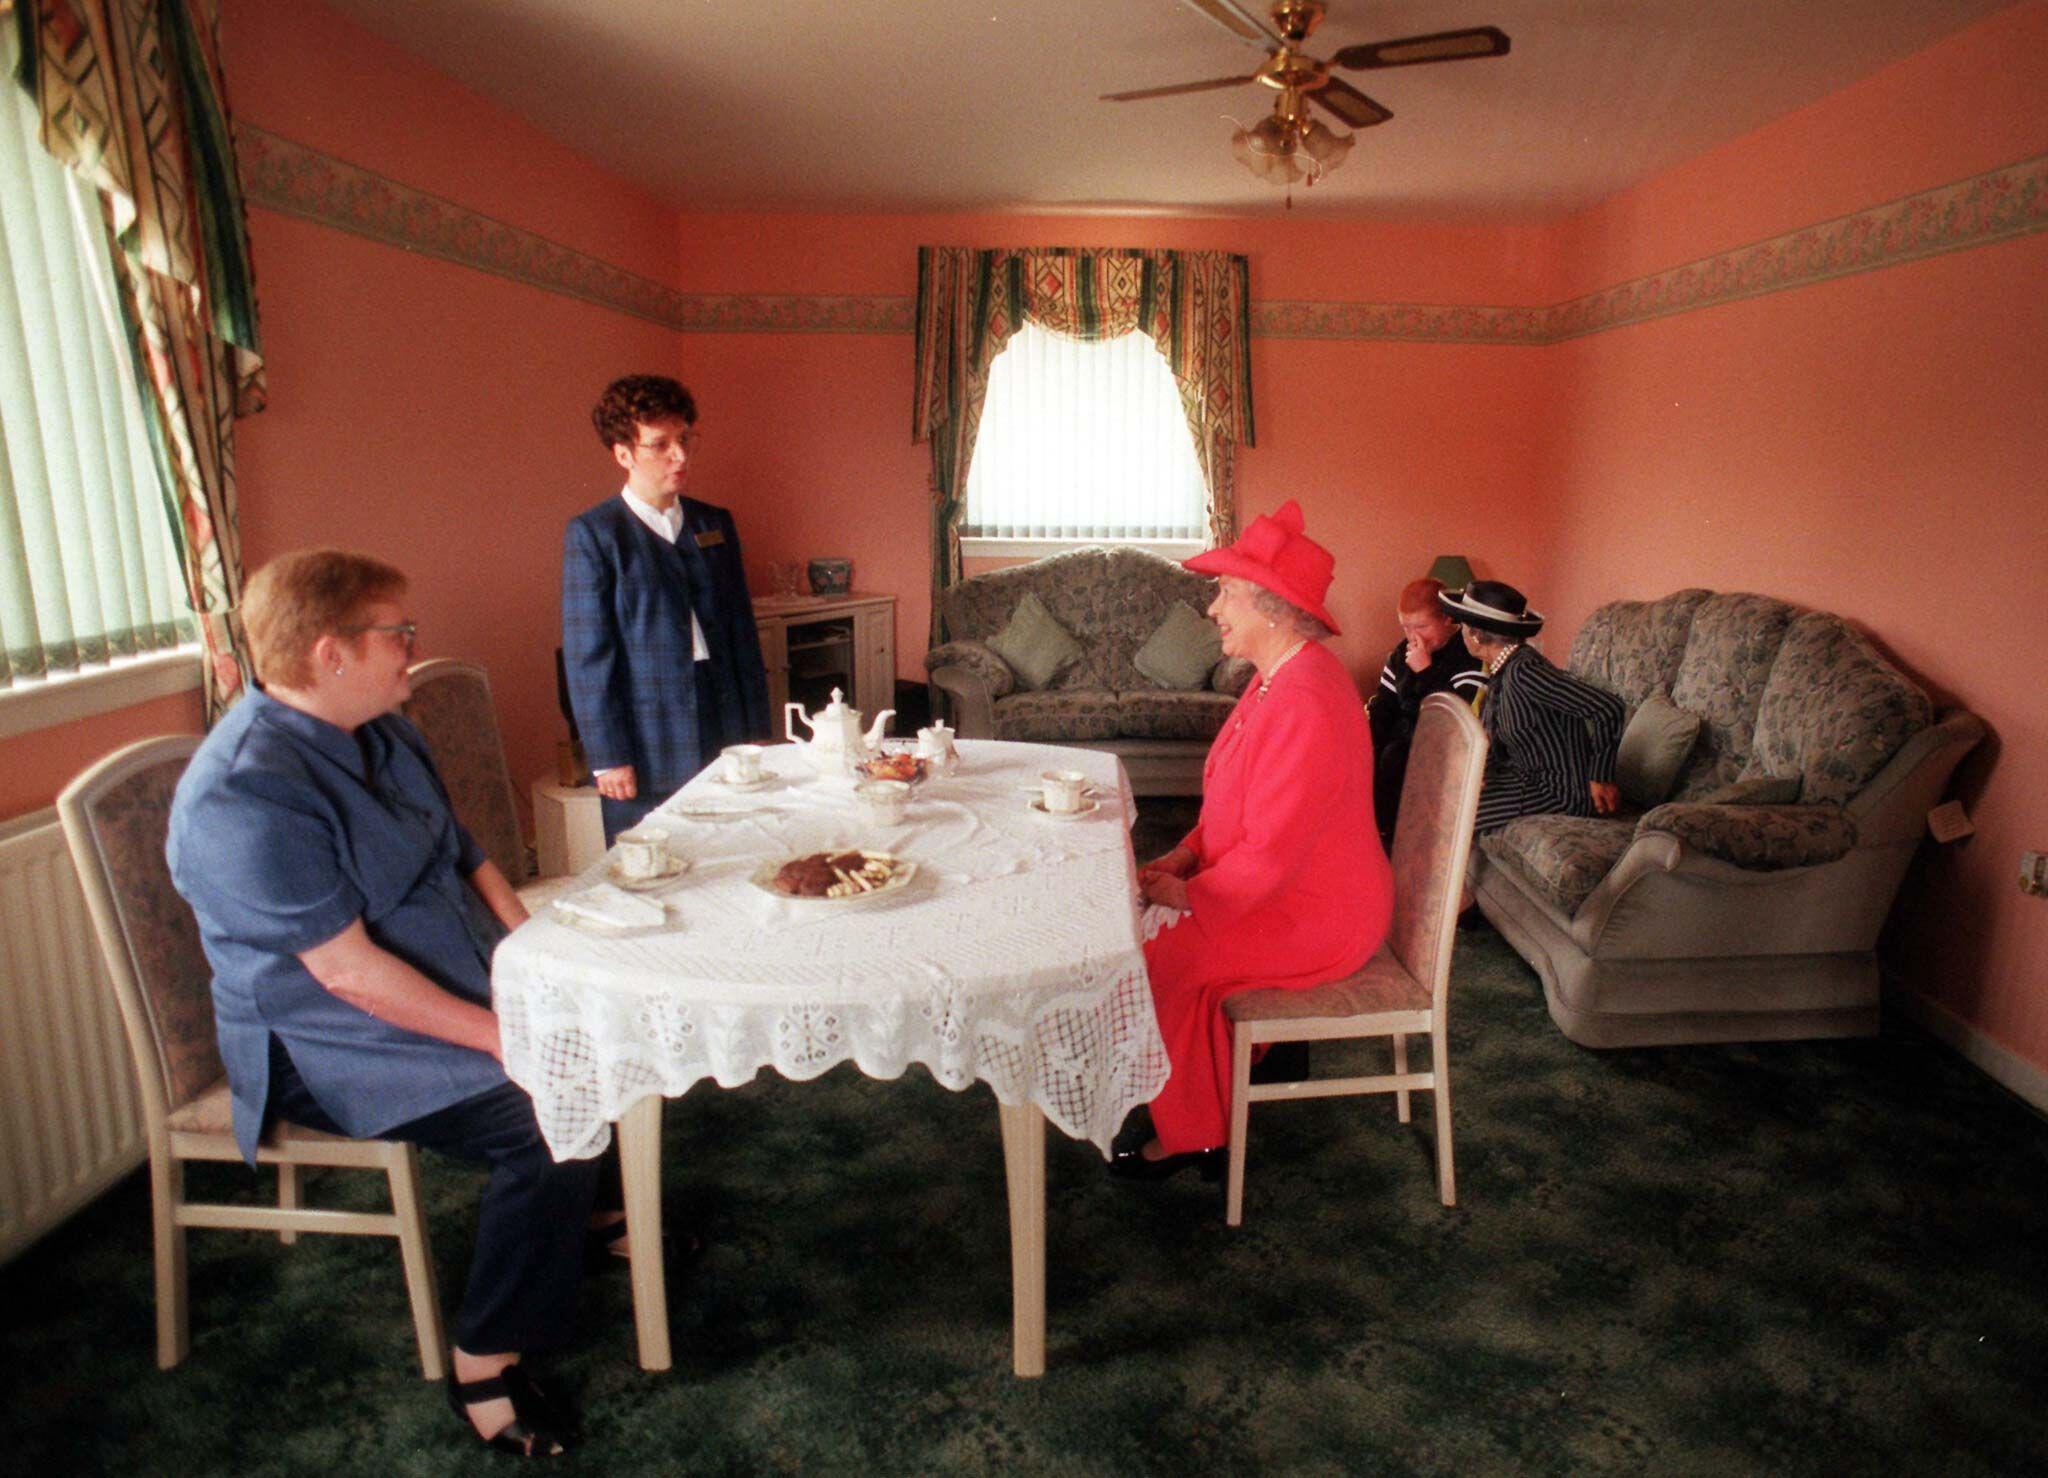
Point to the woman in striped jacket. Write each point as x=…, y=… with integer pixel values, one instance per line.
x=1552, y=737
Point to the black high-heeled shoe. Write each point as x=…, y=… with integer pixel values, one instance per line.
x=539, y=1428
x=1135, y=1167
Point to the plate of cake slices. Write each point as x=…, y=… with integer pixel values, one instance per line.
x=841, y=875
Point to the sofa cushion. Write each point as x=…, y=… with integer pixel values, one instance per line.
x=1833, y=712
x=1659, y=736
x=1762, y=838
x=1735, y=641
x=1232, y=675
x=1562, y=857
x=1181, y=652
x=1035, y=645
x=1151, y=713
x=1058, y=717
x=1763, y=790
x=1632, y=648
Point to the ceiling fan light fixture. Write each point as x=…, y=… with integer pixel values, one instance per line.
x=1283, y=148
x=1325, y=145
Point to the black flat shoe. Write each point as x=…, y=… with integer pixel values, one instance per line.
x=538, y=1427
x=1135, y=1167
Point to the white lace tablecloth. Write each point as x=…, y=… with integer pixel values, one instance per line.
x=1012, y=958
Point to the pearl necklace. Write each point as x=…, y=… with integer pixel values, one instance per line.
x=1267, y=681
x=1493, y=668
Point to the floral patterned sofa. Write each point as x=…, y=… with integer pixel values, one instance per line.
x=1110, y=600
x=1699, y=921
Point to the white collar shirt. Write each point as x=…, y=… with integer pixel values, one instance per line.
x=669, y=525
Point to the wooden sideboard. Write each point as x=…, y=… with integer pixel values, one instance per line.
x=814, y=644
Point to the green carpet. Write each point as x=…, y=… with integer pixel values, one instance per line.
x=1785, y=1259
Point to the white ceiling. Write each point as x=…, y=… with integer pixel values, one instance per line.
x=943, y=105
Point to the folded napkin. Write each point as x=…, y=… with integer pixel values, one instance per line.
x=605, y=904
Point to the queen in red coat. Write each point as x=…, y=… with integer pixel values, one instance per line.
x=1282, y=882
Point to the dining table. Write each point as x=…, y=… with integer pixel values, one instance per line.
x=1008, y=954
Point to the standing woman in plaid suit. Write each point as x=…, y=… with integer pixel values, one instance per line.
x=658, y=641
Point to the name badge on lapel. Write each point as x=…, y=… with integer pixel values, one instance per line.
x=709, y=538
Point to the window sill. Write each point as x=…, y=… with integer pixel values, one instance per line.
x=72, y=696
x=978, y=548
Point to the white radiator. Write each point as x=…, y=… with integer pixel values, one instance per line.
x=70, y=1119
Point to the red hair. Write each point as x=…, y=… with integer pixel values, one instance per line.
x=1420, y=595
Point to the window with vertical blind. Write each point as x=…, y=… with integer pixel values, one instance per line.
x=1083, y=441
x=89, y=567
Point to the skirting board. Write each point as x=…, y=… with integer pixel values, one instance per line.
x=2004, y=1066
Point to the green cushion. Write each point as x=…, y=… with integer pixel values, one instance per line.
x=1181, y=652
x=1653, y=747
x=1760, y=790
x=1034, y=644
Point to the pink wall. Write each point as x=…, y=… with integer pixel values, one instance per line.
x=423, y=411
x=1870, y=445
x=1397, y=452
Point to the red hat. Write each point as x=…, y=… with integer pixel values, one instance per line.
x=1274, y=552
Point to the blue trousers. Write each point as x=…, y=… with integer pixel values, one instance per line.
x=530, y=1228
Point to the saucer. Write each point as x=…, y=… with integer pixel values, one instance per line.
x=1089, y=806
x=676, y=868
x=745, y=787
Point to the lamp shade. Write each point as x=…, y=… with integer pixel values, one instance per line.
x=1454, y=571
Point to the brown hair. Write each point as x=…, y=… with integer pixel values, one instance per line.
x=300, y=597
x=639, y=399
x=1421, y=595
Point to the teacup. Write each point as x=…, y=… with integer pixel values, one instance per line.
x=643, y=852
x=742, y=763
x=1064, y=790
x=883, y=801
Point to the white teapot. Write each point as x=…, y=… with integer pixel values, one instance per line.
x=836, y=744
x=935, y=747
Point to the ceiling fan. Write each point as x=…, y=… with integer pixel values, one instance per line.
x=1291, y=145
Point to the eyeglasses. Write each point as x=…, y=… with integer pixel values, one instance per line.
x=406, y=631
x=667, y=447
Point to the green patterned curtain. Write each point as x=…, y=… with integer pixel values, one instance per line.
x=1195, y=305
x=130, y=97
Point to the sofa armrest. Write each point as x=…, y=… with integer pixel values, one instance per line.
x=971, y=684
x=1760, y=838
x=1232, y=675
x=979, y=659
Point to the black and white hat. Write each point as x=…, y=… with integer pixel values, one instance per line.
x=1492, y=606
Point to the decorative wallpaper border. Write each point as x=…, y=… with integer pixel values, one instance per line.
x=1995, y=206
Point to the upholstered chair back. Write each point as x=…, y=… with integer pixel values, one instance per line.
x=1433, y=838
x=451, y=706
x=116, y=816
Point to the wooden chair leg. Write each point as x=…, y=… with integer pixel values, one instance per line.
x=166, y=1194
x=1401, y=1106
x=288, y=1198
x=1240, y=1122
x=1446, y=1176
x=420, y=1286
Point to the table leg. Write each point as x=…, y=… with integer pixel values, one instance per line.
x=639, y=1134
x=1024, y=1165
